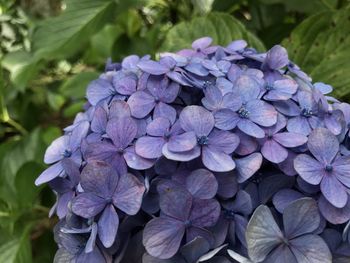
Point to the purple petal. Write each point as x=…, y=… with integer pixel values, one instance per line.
x=299, y=125
x=289, y=107
x=323, y=144
x=202, y=43
x=163, y=110
x=175, y=201
x=261, y=113
x=226, y=119
x=49, y=174
x=193, y=233
x=341, y=169
x=125, y=84
x=99, y=121
x=128, y=194
x=212, y=99
x=324, y=88
x=288, y=86
x=62, y=204
x=88, y=205
x=202, y=184
x=248, y=166
x=223, y=141
x=263, y=234
x=242, y=203
x=250, y=128
x=276, y=57
x=121, y=131
x=205, y=213
x=182, y=142
x=247, y=88
x=334, y=191
x=281, y=254
x=149, y=147
x=311, y=170
x=273, y=151
x=108, y=226
x=158, y=127
x=311, y=248
x=332, y=214
x=135, y=161
x=284, y=197
x=247, y=144
x=162, y=237
x=227, y=184
x=99, y=178
x=56, y=149
x=98, y=90
x=152, y=67
x=287, y=166
x=290, y=139
x=334, y=122
x=301, y=217
x=237, y=45
x=216, y=160
x=181, y=156
x=79, y=133
x=197, y=119
x=119, y=109
x=141, y=103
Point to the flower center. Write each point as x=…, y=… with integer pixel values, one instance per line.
x=109, y=200
x=306, y=112
x=243, y=113
x=229, y=214
x=120, y=150
x=203, y=140
x=188, y=223
x=207, y=84
x=67, y=154
x=329, y=168
x=269, y=87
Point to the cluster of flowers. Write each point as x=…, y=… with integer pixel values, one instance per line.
x=211, y=154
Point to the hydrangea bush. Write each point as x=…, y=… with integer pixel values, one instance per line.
x=211, y=154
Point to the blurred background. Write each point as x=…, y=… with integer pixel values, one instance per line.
x=51, y=49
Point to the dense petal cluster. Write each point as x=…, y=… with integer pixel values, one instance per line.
x=210, y=154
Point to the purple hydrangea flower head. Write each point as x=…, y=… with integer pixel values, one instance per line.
x=210, y=154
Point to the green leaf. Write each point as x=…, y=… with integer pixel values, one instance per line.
x=63, y=35
x=309, y=7
x=320, y=46
x=22, y=66
x=222, y=27
x=26, y=190
x=75, y=86
x=13, y=154
x=17, y=250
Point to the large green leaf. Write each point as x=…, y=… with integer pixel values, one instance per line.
x=23, y=67
x=17, y=250
x=320, y=46
x=222, y=27
x=26, y=190
x=61, y=36
x=310, y=6
x=13, y=154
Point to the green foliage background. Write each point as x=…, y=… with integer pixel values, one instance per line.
x=51, y=49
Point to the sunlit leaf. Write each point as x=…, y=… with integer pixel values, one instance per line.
x=222, y=27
